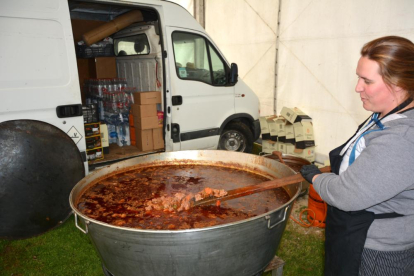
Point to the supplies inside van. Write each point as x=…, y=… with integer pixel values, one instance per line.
x=104, y=48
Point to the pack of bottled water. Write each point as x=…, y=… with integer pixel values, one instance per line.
x=113, y=98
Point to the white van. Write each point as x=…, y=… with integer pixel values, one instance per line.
x=42, y=136
x=204, y=104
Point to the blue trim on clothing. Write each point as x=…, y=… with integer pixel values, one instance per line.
x=381, y=127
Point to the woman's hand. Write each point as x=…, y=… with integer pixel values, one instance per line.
x=310, y=172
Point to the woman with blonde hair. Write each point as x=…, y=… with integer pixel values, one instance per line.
x=370, y=192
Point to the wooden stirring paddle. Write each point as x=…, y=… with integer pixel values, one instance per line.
x=252, y=189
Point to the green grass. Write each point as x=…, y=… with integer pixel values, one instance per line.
x=257, y=148
x=67, y=251
x=303, y=253
x=62, y=251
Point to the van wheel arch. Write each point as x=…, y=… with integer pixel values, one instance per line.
x=245, y=118
x=236, y=136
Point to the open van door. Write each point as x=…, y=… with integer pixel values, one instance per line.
x=40, y=116
x=38, y=65
x=201, y=97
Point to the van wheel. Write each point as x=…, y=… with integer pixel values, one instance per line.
x=236, y=137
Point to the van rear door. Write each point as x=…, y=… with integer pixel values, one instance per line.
x=201, y=99
x=41, y=121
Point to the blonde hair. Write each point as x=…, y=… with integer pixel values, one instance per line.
x=395, y=57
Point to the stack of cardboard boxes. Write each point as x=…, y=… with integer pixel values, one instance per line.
x=290, y=133
x=145, y=127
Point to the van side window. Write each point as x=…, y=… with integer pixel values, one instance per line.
x=219, y=71
x=132, y=45
x=196, y=59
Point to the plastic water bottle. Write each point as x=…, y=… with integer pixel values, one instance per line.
x=120, y=101
x=123, y=138
x=127, y=134
x=112, y=139
x=114, y=102
x=123, y=84
x=100, y=88
x=101, y=110
x=93, y=87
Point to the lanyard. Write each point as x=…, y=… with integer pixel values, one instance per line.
x=374, y=118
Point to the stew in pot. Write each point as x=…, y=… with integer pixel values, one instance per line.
x=122, y=199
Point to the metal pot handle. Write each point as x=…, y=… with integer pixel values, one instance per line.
x=277, y=223
x=77, y=226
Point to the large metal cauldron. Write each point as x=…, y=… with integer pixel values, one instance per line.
x=241, y=248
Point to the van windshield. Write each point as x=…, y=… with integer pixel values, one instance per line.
x=132, y=45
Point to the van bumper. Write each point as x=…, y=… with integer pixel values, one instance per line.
x=256, y=129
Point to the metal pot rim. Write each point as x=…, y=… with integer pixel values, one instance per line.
x=289, y=157
x=89, y=220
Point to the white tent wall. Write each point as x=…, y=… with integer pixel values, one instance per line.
x=319, y=45
x=246, y=32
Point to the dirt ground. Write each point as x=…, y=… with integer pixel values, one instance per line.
x=300, y=204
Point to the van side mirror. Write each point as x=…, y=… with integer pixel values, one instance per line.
x=234, y=74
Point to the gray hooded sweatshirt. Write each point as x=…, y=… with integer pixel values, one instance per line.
x=380, y=180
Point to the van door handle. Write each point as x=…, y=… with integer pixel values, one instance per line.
x=175, y=133
x=177, y=100
x=66, y=111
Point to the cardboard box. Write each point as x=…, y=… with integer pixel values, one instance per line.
x=150, y=97
x=158, y=138
x=264, y=128
x=80, y=26
x=281, y=147
x=93, y=142
x=272, y=146
x=266, y=146
x=290, y=133
x=294, y=115
x=95, y=68
x=144, y=140
x=146, y=110
x=105, y=138
x=94, y=154
x=273, y=128
x=104, y=67
x=290, y=149
x=304, y=137
x=104, y=135
x=92, y=129
x=146, y=122
x=269, y=146
x=308, y=153
x=280, y=125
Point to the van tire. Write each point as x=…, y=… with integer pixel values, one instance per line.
x=236, y=137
